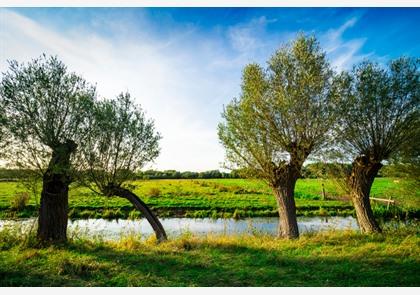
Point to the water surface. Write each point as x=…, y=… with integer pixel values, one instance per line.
x=115, y=229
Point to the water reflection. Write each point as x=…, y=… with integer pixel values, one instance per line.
x=114, y=229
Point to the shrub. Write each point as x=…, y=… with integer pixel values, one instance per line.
x=19, y=201
x=223, y=188
x=236, y=214
x=239, y=190
x=204, y=184
x=322, y=212
x=154, y=192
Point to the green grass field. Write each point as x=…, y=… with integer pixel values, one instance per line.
x=218, y=198
x=343, y=258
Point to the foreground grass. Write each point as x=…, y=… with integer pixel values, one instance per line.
x=324, y=259
x=218, y=198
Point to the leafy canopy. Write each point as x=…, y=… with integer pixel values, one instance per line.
x=120, y=142
x=284, y=113
x=380, y=109
x=43, y=106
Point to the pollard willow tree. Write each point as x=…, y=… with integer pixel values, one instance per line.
x=379, y=118
x=120, y=142
x=44, y=112
x=282, y=116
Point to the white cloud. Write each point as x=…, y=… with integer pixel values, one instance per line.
x=343, y=53
x=170, y=81
x=251, y=41
x=247, y=36
x=253, y=44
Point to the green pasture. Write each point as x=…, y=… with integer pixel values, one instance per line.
x=217, y=198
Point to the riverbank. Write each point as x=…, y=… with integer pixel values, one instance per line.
x=340, y=258
x=217, y=198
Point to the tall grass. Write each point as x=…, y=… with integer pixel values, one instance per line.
x=19, y=201
x=335, y=258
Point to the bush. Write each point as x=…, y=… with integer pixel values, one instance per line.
x=19, y=201
x=222, y=188
x=322, y=212
x=236, y=214
x=154, y=192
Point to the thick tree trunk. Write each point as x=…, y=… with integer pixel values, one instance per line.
x=362, y=176
x=284, y=193
x=52, y=220
x=140, y=205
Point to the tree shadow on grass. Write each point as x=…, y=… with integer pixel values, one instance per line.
x=204, y=264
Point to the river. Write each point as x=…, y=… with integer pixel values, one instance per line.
x=115, y=229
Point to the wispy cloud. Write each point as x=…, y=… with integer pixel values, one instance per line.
x=246, y=37
x=253, y=42
x=343, y=53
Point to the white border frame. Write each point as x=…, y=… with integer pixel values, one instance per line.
x=209, y=3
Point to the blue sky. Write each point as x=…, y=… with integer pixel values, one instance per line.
x=183, y=64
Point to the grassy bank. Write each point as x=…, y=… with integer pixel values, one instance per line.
x=228, y=198
x=324, y=259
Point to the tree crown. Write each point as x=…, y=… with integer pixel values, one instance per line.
x=379, y=113
x=43, y=107
x=121, y=141
x=284, y=113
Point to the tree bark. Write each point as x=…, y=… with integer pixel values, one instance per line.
x=284, y=193
x=142, y=207
x=52, y=220
x=364, y=171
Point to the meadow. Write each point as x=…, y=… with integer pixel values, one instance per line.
x=333, y=258
x=219, y=198
x=340, y=258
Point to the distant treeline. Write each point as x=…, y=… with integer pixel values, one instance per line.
x=314, y=170
x=173, y=174
x=14, y=174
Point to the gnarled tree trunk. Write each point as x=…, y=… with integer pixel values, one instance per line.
x=362, y=176
x=140, y=205
x=283, y=190
x=52, y=220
